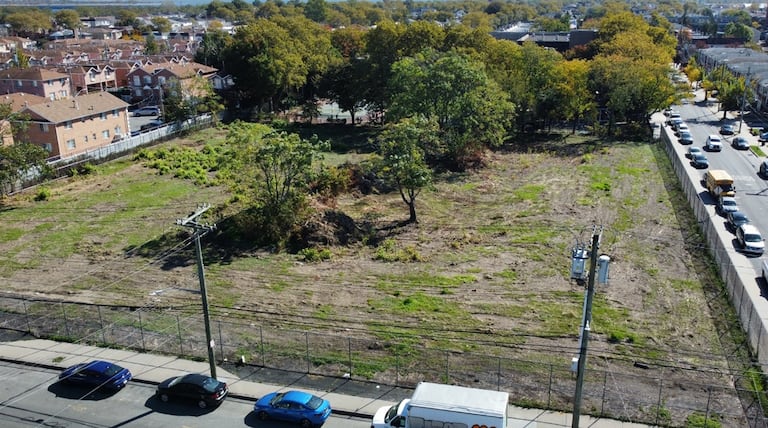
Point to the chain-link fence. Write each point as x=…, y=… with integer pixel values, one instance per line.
x=677, y=396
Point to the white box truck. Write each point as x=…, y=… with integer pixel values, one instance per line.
x=435, y=405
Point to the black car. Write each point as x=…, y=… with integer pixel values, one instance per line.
x=740, y=143
x=699, y=161
x=763, y=168
x=734, y=219
x=204, y=390
x=685, y=138
x=727, y=129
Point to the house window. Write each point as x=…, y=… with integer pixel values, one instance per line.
x=148, y=79
x=48, y=147
x=34, y=83
x=71, y=144
x=138, y=92
x=115, y=113
x=52, y=96
x=43, y=127
x=63, y=93
x=136, y=81
x=94, y=136
x=118, y=130
x=63, y=81
x=161, y=80
x=103, y=116
x=85, y=138
x=68, y=124
x=105, y=134
x=93, y=76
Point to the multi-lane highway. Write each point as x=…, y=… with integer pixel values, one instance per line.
x=32, y=397
x=742, y=165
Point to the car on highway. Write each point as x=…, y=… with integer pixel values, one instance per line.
x=692, y=151
x=97, y=374
x=682, y=127
x=713, y=143
x=669, y=111
x=674, y=122
x=763, y=137
x=734, y=219
x=685, y=138
x=147, y=111
x=750, y=240
x=763, y=169
x=699, y=161
x=204, y=390
x=727, y=129
x=306, y=409
x=726, y=204
x=740, y=143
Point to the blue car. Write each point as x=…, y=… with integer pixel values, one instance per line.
x=97, y=374
x=294, y=406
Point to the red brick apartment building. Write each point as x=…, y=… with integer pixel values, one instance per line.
x=36, y=81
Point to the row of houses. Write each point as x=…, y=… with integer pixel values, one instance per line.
x=74, y=108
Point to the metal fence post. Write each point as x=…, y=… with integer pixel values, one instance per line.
x=66, y=322
x=101, y=324
x=549, y=387
x=261, y=344
x=141, y=329
x=306, y=345
x=498, y=375
x=181, y=341
x=26, y=316
x=397, y=369
x=221, y=342
x=349, y=354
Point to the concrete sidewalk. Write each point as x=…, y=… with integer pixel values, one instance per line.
x=153, y=369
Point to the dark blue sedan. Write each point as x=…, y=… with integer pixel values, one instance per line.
x=294, y=406
x=97, y=374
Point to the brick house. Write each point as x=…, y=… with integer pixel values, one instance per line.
x=18, y=102
x=90, y=77
x=69, y=127
x=148, y=81
x=36, y=81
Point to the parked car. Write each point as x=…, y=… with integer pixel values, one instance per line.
x=727, y=129
x=763, y=170
x=204, y=390
x=713, y=144
x=734, y=219
x=685, y=138
x=674, y=122
x=682, y=127
x=295, y=406
x=152, y=125
x=97, y=374
x=740, y=143
x=699, y=161
x=750, y=240
x=669, y=111
x=692, y=151
x=147, y=111
x=726, y=204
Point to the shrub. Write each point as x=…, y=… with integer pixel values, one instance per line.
x=314, y=255
x=43, y=194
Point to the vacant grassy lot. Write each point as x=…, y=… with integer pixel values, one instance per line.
x=486, y=269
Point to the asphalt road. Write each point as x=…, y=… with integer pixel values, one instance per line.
x=742, y=165
x=32, y=396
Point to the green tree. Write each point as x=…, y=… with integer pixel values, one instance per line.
x=127, y=18
x=213, y=48
x=402, y=158
x=316, y=10
x=29, y=20
x=274, y=169
x=470, y=109
x=151, y=47
x=68, y=18
x=571, y=88
x=19, y=159
x=161, y=24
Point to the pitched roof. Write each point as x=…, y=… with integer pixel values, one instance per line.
x=34, y=73
x=75, y=108
x=20, y=100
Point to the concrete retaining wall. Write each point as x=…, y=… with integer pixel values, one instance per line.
x=741, y=280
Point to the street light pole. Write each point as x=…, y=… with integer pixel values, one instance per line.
x=743, y=99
